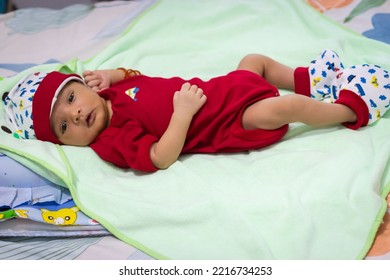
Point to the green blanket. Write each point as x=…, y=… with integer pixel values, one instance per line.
x=318, y=194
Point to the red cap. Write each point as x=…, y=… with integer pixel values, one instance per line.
x=44, y=100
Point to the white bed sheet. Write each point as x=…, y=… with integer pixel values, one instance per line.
x=36, y=36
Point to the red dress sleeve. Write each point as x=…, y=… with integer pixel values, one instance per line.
x=126, y=147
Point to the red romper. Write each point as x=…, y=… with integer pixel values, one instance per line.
x=142, y=108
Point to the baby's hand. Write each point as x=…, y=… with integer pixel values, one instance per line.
x=97, y=79
x=188, y=100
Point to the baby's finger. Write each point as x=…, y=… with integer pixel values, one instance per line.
x=185, y=86
x=199, y=91
x=94, y=83
x=193, y=88
x=89, y=78
x=203, y=99
x=97, y=89
x=87, y=73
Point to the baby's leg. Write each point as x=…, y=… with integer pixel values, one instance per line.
x=275, y=73
x=320, y=74
x=272, y=113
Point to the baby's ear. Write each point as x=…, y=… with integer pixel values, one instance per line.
x=4, y=96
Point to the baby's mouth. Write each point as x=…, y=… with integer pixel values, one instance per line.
x=91, y=118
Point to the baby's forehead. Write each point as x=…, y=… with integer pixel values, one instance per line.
x=72, y=82
x=69, y=85
x=63, y=93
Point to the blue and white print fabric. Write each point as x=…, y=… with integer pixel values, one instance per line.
x=18, y=105
x=371, y=83
x=25, y=194
x=328, y=78
x=322, y=71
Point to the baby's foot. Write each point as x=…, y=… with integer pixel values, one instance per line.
x=322, y=71
x=371, y=84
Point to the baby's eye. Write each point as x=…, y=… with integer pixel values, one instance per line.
x=63, y=127
x=71, y=97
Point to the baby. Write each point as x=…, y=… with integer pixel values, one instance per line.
x=145, y=123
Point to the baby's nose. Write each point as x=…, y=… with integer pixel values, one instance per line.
x=77, y=115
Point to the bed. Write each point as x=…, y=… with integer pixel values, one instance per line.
x=299, y=199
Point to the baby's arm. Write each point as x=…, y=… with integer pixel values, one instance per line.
x=101, y=79
x=186, y=104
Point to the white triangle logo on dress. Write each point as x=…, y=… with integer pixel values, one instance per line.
x=132, y=92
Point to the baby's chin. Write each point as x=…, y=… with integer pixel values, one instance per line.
x=77, y=142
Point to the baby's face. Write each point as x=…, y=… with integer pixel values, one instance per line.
x=79, y=115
